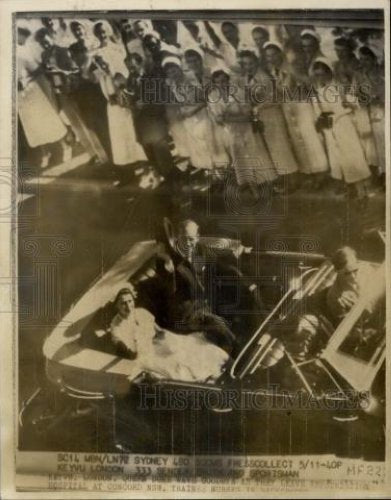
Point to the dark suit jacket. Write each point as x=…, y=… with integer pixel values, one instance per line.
x=196, y=281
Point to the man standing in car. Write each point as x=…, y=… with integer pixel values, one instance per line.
x=189, y=270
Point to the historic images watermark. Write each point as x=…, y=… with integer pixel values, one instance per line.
x=155, y=90
x=273, y=397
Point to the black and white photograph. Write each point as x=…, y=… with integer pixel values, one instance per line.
x=200, y=243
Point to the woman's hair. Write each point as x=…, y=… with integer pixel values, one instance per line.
x=310, y=34
x=75, y=24
x=230, y=24
x=322, y=64
x=248, y=53
x=152, y=34
x=193, y=52
x=219, y=72
x=45, y=20
x=129, y=290
x=41, y=33
x=97, y=26
x=146, y=23
x=273, y=45
x=171, y=61
x=260, y=29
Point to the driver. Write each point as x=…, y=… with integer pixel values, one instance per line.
x=352, y=278
x=312, y=329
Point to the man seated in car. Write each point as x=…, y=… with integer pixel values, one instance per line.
x=189, y=269
x=352, y=278
x=328, y=307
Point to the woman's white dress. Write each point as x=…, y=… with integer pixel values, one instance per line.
x=377, y=118
x=193, y=135
x=229, y=54
x=177, y=129
x=375, y=88
x=189, y=358
x=220, y=134
x=124, y=145
x=249, y=156
x=200, y=136
x=40, y=121
x=275, y=131
x=362, y=122
x=345, y=152
x=306, y=141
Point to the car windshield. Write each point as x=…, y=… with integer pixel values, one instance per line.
x=367, y=333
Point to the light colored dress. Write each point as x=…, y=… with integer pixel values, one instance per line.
x=299, y=114
x=220, y=133
x=189, y=358
x=193, y=134
x=275, y=131
x=377, y=118
x=249, y=155
x=345, y=74
x=40, y=121
x=229, y=54
x=346, y=155
x=124, y=145
x=362, y=122
x=375, y=85
x=200, y=135
x=306, y=141
x=177, y=129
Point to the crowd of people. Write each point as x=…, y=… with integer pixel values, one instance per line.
x=285, y=105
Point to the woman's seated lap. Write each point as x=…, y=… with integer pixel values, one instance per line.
x=127, y=331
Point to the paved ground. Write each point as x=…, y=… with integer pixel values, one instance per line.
x=74, y=226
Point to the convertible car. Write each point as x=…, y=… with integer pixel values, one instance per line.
x=278, y=393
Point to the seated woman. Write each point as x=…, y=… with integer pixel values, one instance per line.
x=133, y=334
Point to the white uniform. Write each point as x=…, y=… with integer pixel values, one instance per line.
x=193, y=135
x=124, y=145
x=306, y=141
x=346, y=155
x=41, y=122
x=249, y=155
x=275, y=129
